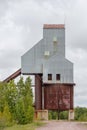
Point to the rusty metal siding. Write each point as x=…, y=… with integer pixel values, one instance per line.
x=71, y=97
x=13, y=76
x=52, y=26
x=38, y=92
x=58, y=97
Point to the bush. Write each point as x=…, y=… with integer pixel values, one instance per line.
x=5, y=118
x=54, y=115
x=30, y=114
x=64, y=115
x=20, y=112
x=7, y=115
x=23, y=116
x=81, y=113
x=83, y=117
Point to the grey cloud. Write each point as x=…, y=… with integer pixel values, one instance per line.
x=10, y=59
x=62, y=4
x=81, y=93
x=21, y=24
x=81, y=99
x=3, y=7
x=76, y=26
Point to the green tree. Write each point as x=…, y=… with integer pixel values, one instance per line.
x=7, y=117
x=2, y=96
x=29, y=114
x=24, y=109
x=11, y=97
x=81, y=113
x=21, y=87
x=20, y=112
x=16, y=101
x=28, y=98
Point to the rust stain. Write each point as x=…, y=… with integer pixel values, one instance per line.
x=58, y=97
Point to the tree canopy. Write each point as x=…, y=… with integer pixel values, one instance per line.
x=16, y=102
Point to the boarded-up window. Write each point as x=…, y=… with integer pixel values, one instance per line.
x=49, y=76
x=57, y=76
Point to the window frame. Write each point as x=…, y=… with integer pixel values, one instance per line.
x=58, y=77
x=49, y=76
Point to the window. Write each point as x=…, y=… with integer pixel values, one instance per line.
x=57, y=76
x=55, y=46
x=49, y=76
x=54, y=40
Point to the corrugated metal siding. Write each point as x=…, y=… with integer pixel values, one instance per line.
x=31, y=61
x=58, y=65
x=49, y=34
x=58, y=97
x=34, y=61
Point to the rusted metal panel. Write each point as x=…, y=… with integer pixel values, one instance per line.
x=71, y=97
x=53, y=26
x=38, y=92
x=58, y=97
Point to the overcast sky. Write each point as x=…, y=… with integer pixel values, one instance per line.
x=21, y=26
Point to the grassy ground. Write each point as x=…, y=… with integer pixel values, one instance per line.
x=31, y=126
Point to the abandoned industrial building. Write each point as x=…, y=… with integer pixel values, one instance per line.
x=54, y=85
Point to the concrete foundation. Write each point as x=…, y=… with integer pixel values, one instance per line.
x=41, y=115
x=71, y=115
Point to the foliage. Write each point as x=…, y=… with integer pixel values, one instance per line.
x=11, y=97
x=31, y=126
x=5, y=117
x=49, y=115
x=54, y=115
x=81, y=114
x=64, y=115
x=2, y=96
x=16, y=101
x=24, y=109
x=29, y=114
x=20, y=112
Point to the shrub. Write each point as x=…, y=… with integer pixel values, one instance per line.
x=30, y=114
x=81, y=113
x=5, y=117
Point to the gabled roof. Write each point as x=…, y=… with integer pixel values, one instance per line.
x=54, y=26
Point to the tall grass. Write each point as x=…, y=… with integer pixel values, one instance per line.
x=31, y=126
